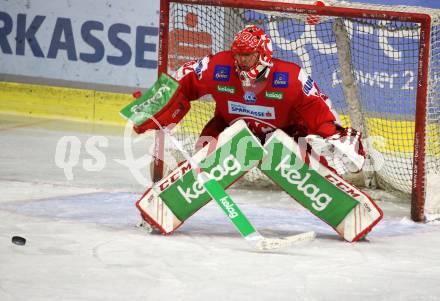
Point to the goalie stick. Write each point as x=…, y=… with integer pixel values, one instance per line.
x=230, y=208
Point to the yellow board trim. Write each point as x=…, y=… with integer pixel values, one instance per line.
x=104, y=107
x=398, y=136
x=66, y=103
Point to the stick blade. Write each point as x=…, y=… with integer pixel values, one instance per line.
x=267, y=244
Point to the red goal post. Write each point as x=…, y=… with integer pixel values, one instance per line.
x=418, y=125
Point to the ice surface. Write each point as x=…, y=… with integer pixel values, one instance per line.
x=82, y=243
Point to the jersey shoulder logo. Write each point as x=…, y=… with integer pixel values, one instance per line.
x=199, y=68
x=196, y=66
x=308, y=85
x=222, y=73
x=280, y=80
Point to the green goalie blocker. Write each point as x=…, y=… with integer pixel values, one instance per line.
x=163, y=101
x=179, y=195
x=351, y=212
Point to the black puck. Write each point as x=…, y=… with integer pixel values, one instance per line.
x=18, y=240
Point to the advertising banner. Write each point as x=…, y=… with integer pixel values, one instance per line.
x=83, y=43
x=384, y=62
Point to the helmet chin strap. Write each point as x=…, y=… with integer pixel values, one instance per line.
x=264, y=63
x=258, y=73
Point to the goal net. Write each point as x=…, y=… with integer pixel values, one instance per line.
x=380, y=66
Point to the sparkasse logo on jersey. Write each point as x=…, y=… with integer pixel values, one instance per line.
x=222, y=73
x=280, y=79
x=259, y=112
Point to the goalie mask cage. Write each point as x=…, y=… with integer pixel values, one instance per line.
x=378, y=64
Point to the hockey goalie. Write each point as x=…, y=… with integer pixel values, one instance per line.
x=271, y=115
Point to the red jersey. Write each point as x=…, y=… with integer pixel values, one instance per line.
x=287, y=98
